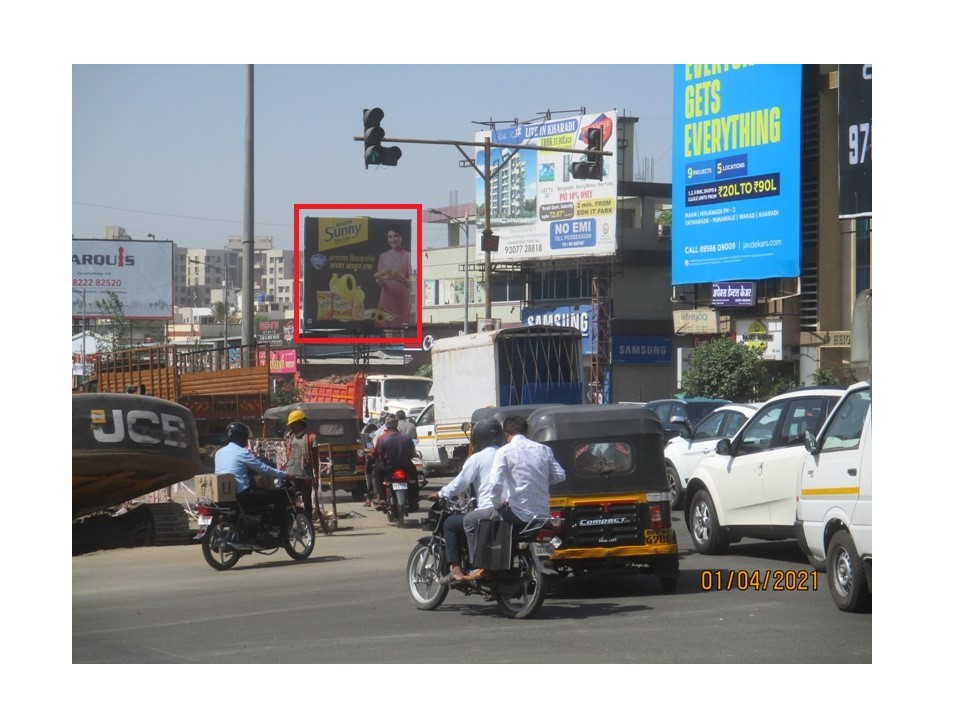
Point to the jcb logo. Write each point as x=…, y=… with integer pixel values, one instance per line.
x=141, y=426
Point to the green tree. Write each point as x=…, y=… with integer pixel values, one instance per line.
x=727, y=369
x=835, y=375
x=425, y=371
x=116, y=322
x=285, y=394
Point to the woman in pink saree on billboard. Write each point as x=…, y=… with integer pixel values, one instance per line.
x=393, y=277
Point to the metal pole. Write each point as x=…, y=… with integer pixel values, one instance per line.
x=466, y=278
x=487, y=230
x=225, y=320
x=83, y=295
x=247, y=280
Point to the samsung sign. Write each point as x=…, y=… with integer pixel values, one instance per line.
x=580, y=317
x=642, y=349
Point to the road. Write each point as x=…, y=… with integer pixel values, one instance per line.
x=348, y=604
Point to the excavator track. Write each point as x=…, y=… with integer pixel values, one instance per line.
x=170, y=524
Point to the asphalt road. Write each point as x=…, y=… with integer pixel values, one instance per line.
x=348, y=604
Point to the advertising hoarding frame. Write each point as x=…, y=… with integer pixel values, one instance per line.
x=415, y=211
x=140, y=272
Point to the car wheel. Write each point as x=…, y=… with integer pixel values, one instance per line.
x=676, y=493
x=704, y=528
x=845, y=573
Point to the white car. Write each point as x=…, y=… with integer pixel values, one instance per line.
x=748, y=486
x=835, y=511
x=684, y=452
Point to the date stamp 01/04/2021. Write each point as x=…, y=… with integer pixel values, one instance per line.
x=776, y=580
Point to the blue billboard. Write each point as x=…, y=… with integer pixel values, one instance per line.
x=736, y=172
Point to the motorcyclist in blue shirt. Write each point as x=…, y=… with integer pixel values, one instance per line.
x=236, y=459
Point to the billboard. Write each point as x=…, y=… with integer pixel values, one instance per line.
x=855, y=108
x=736, y=172
x=537, y=208
x=140, y=272
x=359, y=277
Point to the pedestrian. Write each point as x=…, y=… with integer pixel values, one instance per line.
x=301, y=451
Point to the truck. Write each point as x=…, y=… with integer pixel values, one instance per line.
x=373, y=395
x=525, y=365
x=217, y=386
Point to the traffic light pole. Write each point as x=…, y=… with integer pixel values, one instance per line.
x=487, y=235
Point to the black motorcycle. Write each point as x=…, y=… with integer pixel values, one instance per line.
x=232, y=532
x=518, y=590
x=395, y=495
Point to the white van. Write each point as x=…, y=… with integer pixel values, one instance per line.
x=834, y=512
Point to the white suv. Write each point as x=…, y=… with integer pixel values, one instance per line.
x=835, y=511
x=748, y=486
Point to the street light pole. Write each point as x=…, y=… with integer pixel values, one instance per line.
x=466, y=266
x=224, y=314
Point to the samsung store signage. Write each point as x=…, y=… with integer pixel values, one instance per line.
x=580, y=317
x=642, y=349
x=733, y=294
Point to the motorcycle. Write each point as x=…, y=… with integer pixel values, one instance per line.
x=395, y=489
x=519, y=590
x=230, y=532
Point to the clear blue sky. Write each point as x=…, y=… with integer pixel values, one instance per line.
x=159, y=149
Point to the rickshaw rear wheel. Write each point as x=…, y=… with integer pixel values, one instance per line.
x=668, y=584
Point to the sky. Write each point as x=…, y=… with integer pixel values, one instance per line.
x=160, y=149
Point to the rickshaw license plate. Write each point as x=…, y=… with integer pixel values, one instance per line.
x=399, y=486
x=204, y=520
x=662, y=536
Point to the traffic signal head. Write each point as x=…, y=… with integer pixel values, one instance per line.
x=592, y=168
x=373, y=152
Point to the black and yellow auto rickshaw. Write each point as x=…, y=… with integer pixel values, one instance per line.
x=615, y=502
x=338, y=437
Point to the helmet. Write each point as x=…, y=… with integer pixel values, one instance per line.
x=296, y=416
x=238, y=433
x=486, y=433
x=391, y=421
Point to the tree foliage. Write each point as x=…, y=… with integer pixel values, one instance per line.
x=112, y=307
x=285, y=394
x=836, y=374
x=727, y=369
x=425, y=371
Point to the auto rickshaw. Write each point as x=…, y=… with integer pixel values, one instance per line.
x=338, y=436
x=615, y=502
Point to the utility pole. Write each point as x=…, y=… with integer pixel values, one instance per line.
x=247, y=337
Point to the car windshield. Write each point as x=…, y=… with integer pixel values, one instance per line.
x=698, y=411
x=413, y=388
